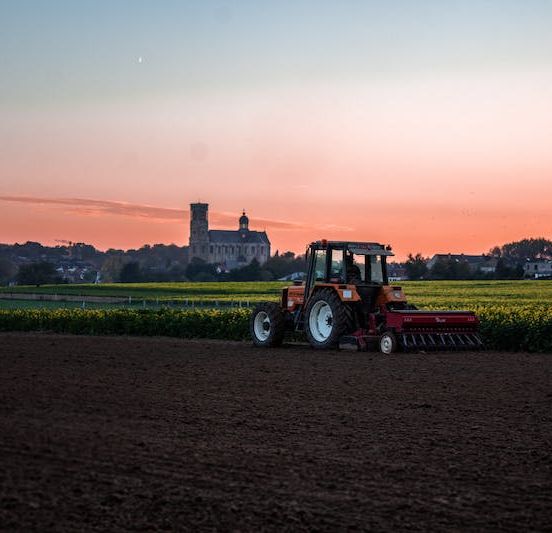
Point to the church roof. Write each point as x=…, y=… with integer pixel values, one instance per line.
x=222, y=236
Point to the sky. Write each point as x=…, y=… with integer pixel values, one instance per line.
x=426, y=125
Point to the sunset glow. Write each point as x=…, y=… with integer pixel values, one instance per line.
x=426, y=127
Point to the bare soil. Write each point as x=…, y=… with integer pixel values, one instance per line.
x=107, y=434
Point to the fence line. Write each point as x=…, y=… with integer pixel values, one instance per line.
x=128, y=301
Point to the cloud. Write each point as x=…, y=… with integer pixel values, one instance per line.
x=91, y=207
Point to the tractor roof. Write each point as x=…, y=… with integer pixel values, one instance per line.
x=355, y=247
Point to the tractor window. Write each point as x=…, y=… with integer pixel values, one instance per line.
x=359, y=262
x=376, y=269
x=354, y=266
x=336, y=272
x=319, y=272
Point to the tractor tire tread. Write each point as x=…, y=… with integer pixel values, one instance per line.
x=277, y=324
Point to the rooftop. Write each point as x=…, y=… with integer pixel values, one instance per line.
x=217, y=236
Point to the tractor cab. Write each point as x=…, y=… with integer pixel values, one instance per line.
x=355, y=263
x=357, y=271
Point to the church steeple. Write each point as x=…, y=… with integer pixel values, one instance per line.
x=244, y=222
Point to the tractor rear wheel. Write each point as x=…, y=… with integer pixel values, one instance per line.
x=267, y=325
x=326, y=319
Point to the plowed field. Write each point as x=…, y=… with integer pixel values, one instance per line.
x=102, y=433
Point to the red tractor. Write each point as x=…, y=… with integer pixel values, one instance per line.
x=346, y=301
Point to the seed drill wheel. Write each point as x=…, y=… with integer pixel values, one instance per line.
x=388, y=343
x=326, y=319
x=267, y=325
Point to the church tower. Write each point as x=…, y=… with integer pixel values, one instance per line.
x=244, y=222
x=199, y=231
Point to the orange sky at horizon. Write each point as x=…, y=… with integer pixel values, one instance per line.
x=136, y=226
x=418, y=165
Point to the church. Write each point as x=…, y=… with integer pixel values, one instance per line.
x=228, y=248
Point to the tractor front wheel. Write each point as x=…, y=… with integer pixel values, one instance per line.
x=388, y=343
x=326, y=319
x=267, y=325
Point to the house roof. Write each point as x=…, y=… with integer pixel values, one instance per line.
x=217, y=236
x=462, y=257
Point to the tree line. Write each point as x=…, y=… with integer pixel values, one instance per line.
x=505, y=262
x=34, y=264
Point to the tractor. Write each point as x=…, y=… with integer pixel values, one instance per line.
x=346, y=301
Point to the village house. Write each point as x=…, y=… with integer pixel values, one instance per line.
x=537, y=269
x=484, y=263
x=396, y=272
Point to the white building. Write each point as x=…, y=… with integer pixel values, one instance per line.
x=537, y=269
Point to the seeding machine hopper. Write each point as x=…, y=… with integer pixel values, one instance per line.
x=346, y=301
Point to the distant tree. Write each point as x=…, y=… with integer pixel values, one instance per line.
x=8, y=270
x=502, y=270
x=82, y=251
x=524, y=249
x=131, y=273
x=111, y=267
x=198, y=269
x=90, y=276
x=205, y=276
x=508, y=270
x=280, y=265
x=114, y=251
x=177, y=272
x=266, y=275
x=461, y=270
x=250, y=272
x=451, y=269
x=416, y=266
x=40, y=273
x=440, y=269
x=31, y=250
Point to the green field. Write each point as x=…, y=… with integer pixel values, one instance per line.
x=430, y=294
x=243, y=291
x=515, y=315
x=512, y=293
